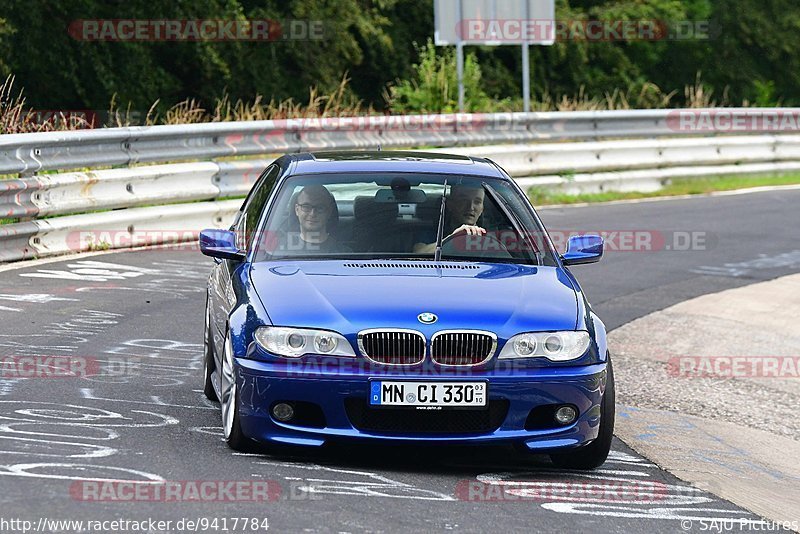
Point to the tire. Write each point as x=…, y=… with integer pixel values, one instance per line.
x=229, y=404
x=595, y=453
x=208, y=360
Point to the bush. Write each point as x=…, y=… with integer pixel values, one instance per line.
x=434, y=87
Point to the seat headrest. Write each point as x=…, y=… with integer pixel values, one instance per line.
x=365, y=207
x=430, y=209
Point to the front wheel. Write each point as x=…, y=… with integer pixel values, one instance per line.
x=594, y=454
x=229, y=403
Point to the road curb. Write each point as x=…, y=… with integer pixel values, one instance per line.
x=752, y=468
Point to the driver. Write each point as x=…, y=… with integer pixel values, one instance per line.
x=463, y=208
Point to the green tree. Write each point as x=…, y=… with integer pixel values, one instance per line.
x=752, y=55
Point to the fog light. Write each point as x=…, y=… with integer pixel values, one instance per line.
x=525, y=346
x=325, y=343
x=282, y=411
x=566, y=415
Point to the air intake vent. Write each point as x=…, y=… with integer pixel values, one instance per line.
x=445, y=422
x=410, y=266
x=392, y=346
x=462, y=347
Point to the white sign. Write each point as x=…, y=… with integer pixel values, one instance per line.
x=494, y=22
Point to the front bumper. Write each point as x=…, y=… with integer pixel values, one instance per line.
x=261, y=384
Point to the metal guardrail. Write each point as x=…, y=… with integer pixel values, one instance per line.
x=65, y=193
x=537, y=159
x=607, y=151
x=29, y=153
x=126, y=228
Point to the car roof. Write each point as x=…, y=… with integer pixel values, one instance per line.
x=391, y=161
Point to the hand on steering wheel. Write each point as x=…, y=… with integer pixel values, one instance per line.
x=469, y=229
x=486, y=245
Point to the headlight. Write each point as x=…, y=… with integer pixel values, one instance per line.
x=297, y=342
x=555, y=346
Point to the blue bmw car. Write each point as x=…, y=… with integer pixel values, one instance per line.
x=402, y=297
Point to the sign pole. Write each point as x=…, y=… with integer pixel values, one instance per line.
x=461, y=23
x=460, y=69
x=526, y=67
x=460, y=59
x=526, y=78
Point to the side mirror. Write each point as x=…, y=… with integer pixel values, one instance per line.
x=583, y=249
x=220, y=244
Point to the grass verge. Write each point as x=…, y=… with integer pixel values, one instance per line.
x=680, y=186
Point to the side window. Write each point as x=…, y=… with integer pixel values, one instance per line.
x=254, y=206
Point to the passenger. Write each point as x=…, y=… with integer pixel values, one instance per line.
x=463, y=208
x=316, y=220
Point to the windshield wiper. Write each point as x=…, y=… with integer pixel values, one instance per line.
x=437, y=255
x=513, y=219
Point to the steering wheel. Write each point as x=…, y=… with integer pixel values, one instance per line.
x=485, y=246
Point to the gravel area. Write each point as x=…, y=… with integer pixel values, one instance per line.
x=752, y=402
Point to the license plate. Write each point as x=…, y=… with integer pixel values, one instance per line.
x=386, y=393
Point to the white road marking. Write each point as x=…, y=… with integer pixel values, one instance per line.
x=690, y=514
x=787, y=259
x=92, y=271
x=49, y=442
x=24, y=470
x=36, y=298
x=375, y=485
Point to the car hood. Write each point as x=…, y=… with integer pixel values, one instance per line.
x=351, y=296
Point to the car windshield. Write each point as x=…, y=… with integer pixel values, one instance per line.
x=402, y=215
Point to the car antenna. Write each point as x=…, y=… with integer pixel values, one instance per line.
x=437, y=254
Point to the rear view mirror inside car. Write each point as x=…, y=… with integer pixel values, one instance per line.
x=395, y=196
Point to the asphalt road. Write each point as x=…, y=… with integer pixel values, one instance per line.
x=137, y=317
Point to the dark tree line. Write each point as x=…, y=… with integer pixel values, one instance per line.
x=754, y=52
